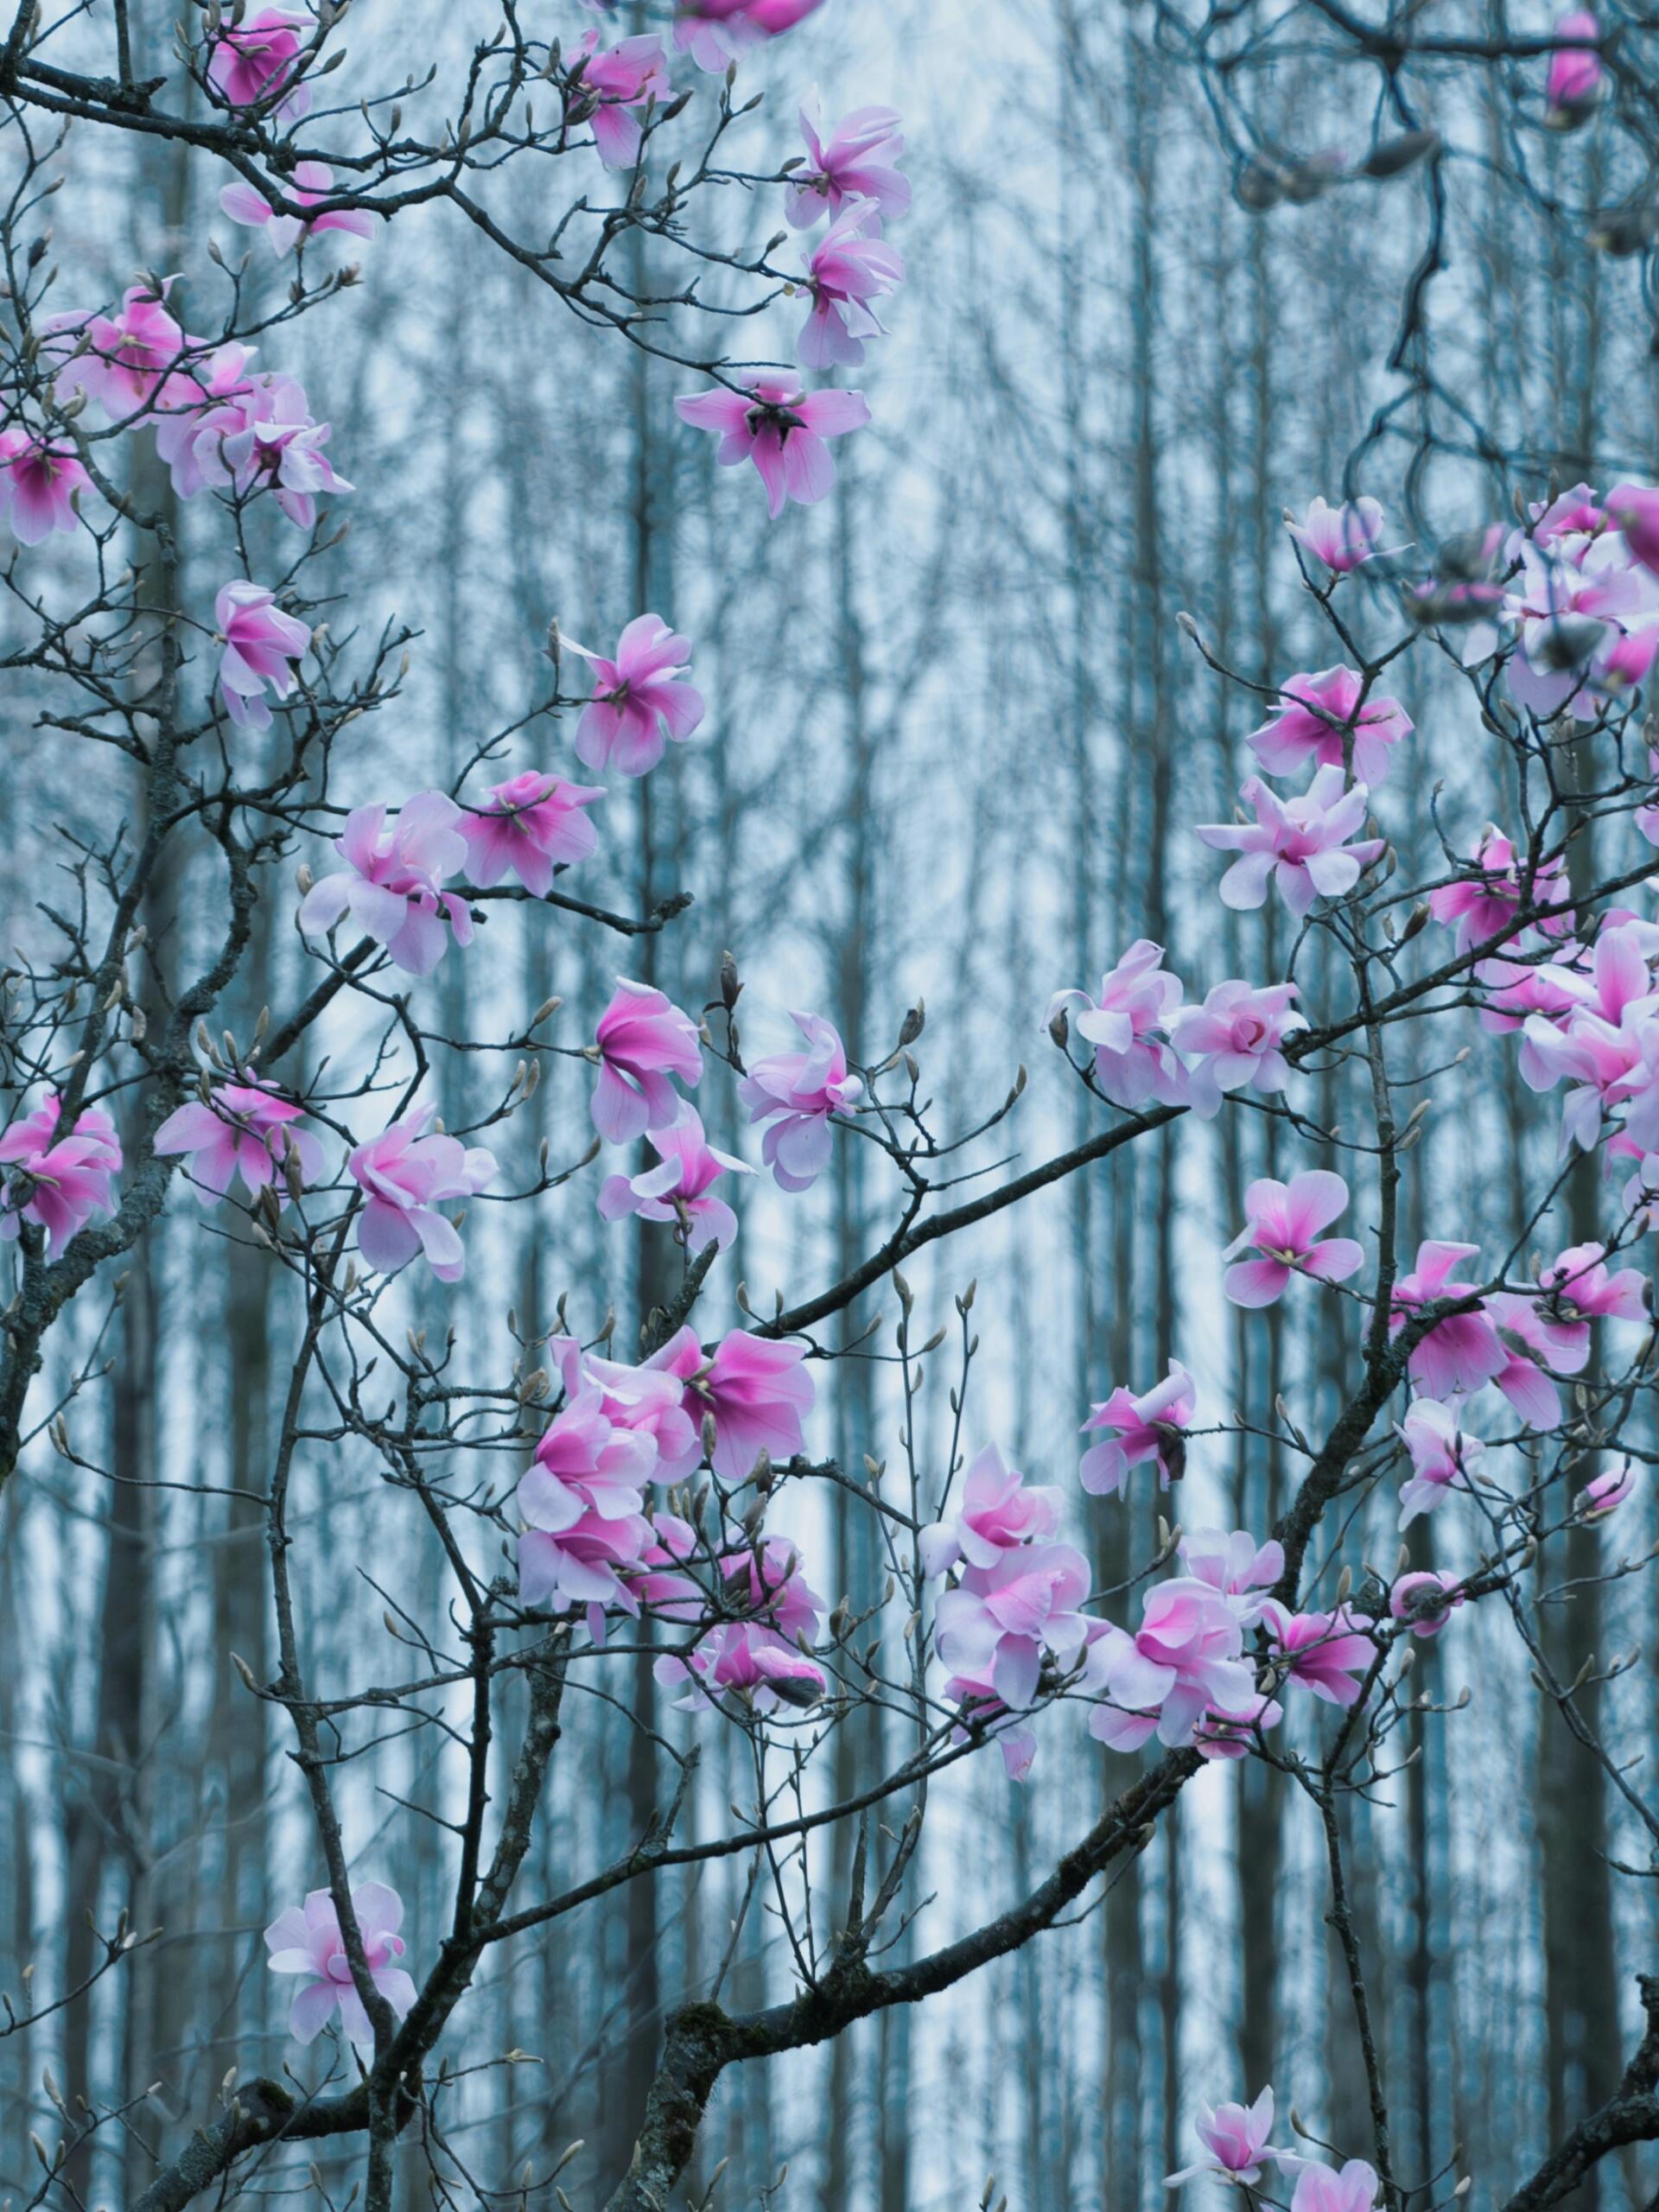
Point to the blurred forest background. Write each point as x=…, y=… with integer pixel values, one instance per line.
x=954, y=737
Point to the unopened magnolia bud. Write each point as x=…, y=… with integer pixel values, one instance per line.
x=1396, y=155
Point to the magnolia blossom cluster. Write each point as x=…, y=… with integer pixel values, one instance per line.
x=852, y=176
x=1014, y=1609
x=643, y=1043
x=1235, y=2149
x=1330, y=721
x=593, y=1541
x=221, y=425
x=57, y=1179
x=1151, y=1048
x=224, y=426
x=1012, y=1627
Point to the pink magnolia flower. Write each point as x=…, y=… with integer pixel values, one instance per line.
x=1574, y=84
x=1502, y=1339
x=1183, y=1659
x=750, y=1661
x=407, y=1174
x=251, y=61
x=1610, y=1066
x=641, y=1041
x=1233, y=1735
x=1236, y=2138
x=244, y=1128
x=754, y=1390
x=638, y=700
x=1299, y=843
x=305, y=1939
x=1462, y=1350
x=392, y=886
x=40, y=479
x=585, y=1462
x=1425, y=1601
x=260, y=436
x=1579, y=1288
x=1139, y=1002
x=996, y=1625
x=611, y=87
x=311, y=183
x=224, y=379
x=1634, y=509
x=1324, y=1652
x=715, y=33
x=796, y=1093
x=857, y=163
x=1235, y=1037
x=1605, y=1492
x=998, y=1514
x=1283, y=1226
x=641, y=1398
x=850, y=265
x=1575, y=512
x=533, y=823
x=1318, y=2189
x=1138, y=1429
x=782, y=431
x=1243, y=1570
x=69, y=1179
x=1342, y=537
x=261, y=646
x=1316, y=713
x=677, y=1191
x=1443, y=1456
x=587, y=1562
x=1484, y=902
x=128, y=361
x=1623, y=667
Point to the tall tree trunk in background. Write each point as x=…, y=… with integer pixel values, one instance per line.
x=651, y=581
x=1097, y=1228
x=1581, y=1983
x=110, y=1838
x=1153, y=736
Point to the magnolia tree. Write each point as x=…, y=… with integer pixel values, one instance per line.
x=595, y=1499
